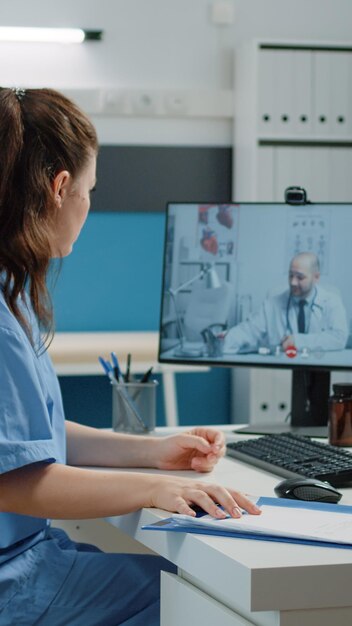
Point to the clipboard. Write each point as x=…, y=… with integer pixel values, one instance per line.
x=171, y=525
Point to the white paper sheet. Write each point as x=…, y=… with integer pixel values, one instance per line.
x=281, y=521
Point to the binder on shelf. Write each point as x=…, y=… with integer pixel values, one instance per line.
x=284, y=113
x=301, y=91
x=322, y=70
x=341, y=93
x=266, y=92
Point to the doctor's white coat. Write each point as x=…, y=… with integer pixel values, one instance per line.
x=327, y=327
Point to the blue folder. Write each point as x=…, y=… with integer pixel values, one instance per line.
x=170, y=524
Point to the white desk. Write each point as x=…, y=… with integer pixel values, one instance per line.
x=330, y=358
x=76, y=354
x=238, y=582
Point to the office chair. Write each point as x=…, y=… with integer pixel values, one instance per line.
x=207, y=307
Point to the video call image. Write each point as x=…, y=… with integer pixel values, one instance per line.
x=266, y=284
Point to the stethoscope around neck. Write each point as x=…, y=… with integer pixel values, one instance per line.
x=311, y=306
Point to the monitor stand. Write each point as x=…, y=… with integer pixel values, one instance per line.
x=309, y=407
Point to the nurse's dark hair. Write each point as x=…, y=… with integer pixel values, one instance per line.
x=41, y=133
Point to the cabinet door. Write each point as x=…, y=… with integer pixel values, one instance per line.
x=265, y=177
x=307, y=167
x=261, y=396
x=325, y=173
x=341, y=174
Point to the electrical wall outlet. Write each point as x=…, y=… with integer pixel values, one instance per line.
x=152, y=102
x=143, y=103
x=114, y=102
x=176, y=103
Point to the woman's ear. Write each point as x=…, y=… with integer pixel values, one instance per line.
x=60, y=185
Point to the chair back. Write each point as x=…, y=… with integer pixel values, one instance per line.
x=207, y=307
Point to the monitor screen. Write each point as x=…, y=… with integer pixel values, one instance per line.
x=264, y=285
x=259, y=284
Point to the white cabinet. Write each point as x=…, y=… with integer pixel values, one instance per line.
x=301, y=90
x=292, y=126
x=293, y=118
x=261, y=396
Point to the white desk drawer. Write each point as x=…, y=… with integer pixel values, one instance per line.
x=182, y=603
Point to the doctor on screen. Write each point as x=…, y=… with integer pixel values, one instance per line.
x=306, y=315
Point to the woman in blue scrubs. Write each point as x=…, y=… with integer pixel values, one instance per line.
x=47, y=171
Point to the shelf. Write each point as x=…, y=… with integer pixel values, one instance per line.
x=311, y=140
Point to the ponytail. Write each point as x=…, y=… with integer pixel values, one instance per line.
x=41, y=134
x=11, y=138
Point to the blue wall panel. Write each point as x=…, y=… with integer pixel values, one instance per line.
x=202, y=398
x=112, y=279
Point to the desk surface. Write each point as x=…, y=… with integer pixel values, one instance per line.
x=249, y=575
x=329, y=358
x=83, y=349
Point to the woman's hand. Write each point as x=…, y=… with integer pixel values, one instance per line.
x=179, y=494
x=198, y=449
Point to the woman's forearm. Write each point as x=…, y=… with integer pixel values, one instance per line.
x=97, y=447
x=63, y=492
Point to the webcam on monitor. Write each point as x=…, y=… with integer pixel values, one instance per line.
x=296, y=195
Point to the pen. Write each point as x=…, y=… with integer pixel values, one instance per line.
x=146, y=375
x=128, y=367
x=107, y=369
x=144, y=379
x=115, y=363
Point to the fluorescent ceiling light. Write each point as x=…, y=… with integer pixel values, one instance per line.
x=48, y=35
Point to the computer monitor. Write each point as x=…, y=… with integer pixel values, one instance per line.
x=261, y=285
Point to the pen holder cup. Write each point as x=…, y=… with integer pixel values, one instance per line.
x=134, y=407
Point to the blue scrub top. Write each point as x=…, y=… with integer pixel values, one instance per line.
x=32, y=425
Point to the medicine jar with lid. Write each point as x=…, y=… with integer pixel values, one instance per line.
x=340, y=415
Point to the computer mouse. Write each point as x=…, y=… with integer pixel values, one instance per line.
x=307, y=489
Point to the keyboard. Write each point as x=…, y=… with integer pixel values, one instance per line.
x=290, y=455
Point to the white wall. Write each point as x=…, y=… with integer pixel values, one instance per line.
x=154, y=43
x=158, y=44
x=293, y=19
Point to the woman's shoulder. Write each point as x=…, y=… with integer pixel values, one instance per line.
x=8, y=322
